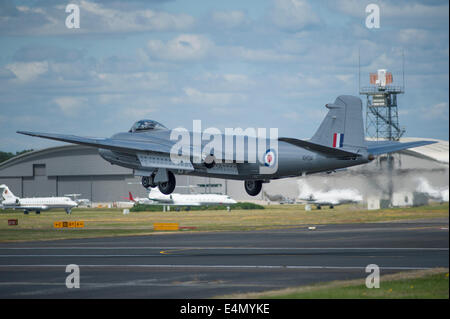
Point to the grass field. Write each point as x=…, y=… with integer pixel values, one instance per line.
x=111, y=222
x=422, y=284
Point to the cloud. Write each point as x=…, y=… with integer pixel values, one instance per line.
x=293, y=15
x=47, y=53
x=70, y=106
x=185, y=47
x=212, y=99
x=439, y=110
x=28, y=71
x=6, y=74
x=398, y=13
x=111, y=17
x=229, y=19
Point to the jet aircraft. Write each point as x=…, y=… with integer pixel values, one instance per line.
x=149, y=149
x=329, y=198
x=37, y=204
x=157, y=198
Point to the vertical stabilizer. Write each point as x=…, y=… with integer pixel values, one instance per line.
x=343, y=125
x=6, y=194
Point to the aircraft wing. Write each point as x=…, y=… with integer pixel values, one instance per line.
x=382, y=147
x=325, y=150
x=149, y=145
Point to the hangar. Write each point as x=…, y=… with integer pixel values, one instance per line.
x=76, y=169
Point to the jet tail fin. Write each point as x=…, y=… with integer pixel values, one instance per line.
x=343, y=126
x=130, y=197
x=6, y=193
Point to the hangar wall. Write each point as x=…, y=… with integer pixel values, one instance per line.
x=69, y=169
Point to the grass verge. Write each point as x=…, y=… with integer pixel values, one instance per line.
x=111, y=222
x=422, y=284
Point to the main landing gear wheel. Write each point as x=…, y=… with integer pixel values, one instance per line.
x=253, y=187
x=148, y=181
x=145, y=181
x=168, y=187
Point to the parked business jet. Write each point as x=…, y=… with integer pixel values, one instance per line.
x=329, y=198
x=37, y=204
x=155, y=197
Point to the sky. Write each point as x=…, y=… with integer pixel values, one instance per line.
x=254, y=63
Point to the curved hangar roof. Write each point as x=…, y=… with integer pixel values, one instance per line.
x=64, y=160
x=437, y=151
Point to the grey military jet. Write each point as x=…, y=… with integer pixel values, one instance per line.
x=148, y=149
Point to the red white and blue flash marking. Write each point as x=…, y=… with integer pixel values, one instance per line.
x=269, y=158
x=338, y=139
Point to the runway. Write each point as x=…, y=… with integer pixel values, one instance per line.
x=204, y=265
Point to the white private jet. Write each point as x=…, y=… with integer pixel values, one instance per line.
x=37, y=204
x=329, y=198
x=155, y=197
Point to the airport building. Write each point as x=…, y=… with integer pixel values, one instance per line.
x=75, y=169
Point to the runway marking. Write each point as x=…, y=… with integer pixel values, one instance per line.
x=225, y=248
x=223, y=266
x=9, y=256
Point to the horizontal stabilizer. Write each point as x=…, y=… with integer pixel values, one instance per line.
x=325, y=150
x=382, y=147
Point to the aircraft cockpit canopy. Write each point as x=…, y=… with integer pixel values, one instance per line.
x=146, y=125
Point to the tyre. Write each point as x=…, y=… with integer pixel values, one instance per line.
x=168, y=187
x=253, y=187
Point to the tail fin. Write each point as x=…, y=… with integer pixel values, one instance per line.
x=6, y=193
x=343, y=126
x=130, y=197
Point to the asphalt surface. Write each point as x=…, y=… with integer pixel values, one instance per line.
x=204, y=265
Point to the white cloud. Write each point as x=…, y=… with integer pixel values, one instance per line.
x=94, y=18
x=70, y=106
x=212, y=99
x=27, y=71
x=229, y=19
x=184, y=47
x=293, y=14
x=439, y=110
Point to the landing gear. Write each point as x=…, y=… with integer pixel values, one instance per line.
x=38, y=212
x=25, y=212
x=148, y=181
x=253, y=187
x=145, y=181
x=68, y=211
x=169, y=186
x=331, y=206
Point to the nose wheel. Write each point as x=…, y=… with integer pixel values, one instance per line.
x=253, y=188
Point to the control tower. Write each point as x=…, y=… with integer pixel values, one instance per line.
x=382, y=121
x=381, y=107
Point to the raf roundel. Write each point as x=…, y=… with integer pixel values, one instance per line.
x=269, y=158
